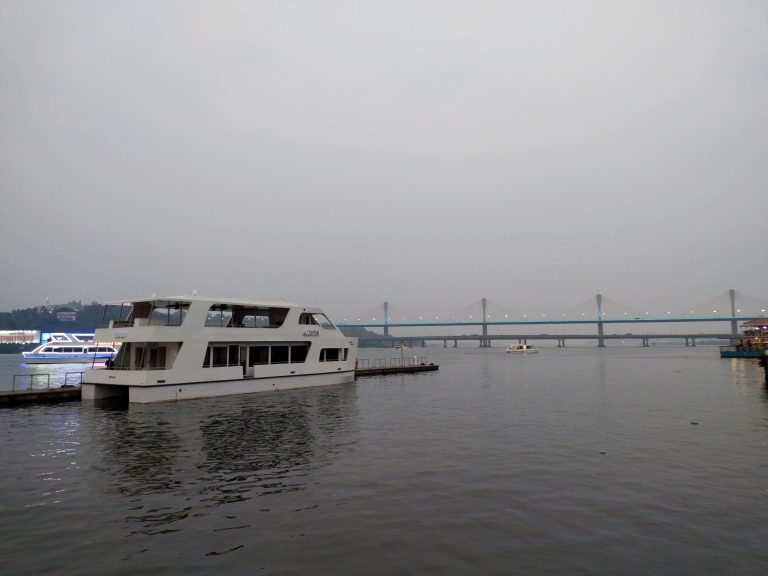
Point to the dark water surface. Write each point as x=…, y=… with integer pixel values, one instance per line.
x=572, y=461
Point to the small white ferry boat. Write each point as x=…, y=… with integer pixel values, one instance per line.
x=65, y=348
x=521, y=349
x=181, y=347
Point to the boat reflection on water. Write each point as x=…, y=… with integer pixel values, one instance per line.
x=207, y=453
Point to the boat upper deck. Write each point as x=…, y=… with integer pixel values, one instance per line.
x=193, y=313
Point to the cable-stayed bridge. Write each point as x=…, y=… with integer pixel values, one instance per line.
x=597, y=312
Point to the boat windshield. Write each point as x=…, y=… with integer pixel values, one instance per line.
x=322, y=321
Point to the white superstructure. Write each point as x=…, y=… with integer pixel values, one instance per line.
x=65, y=348
x=175, y=348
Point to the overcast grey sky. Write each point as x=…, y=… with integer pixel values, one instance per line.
x=342, y=153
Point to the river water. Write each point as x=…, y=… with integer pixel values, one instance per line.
x=571, y=461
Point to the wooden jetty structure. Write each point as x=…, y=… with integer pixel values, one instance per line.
x=71, y=392
x=401, y=365
x=385, y=370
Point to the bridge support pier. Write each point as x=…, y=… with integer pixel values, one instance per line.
x=646, y=343
x=455, y=343
x=484, y=342
x=600, y=340
x=445, y=343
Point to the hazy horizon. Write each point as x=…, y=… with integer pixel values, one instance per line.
x=424, y=153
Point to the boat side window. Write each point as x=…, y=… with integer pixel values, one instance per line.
x=258, y=355
x=218, y=318
x=329, y=355
x=323, y=321
x=277, y=317
x=141, y=356
x=249, y=317
x=116, y=315
x=240, y=316
x=305, y=319
x=279, y=354
x=234, y=355
x=219, y=356
x=157, y=356
x=299, y=352
x=48, y=349
x=138, y=357
x=167, y=316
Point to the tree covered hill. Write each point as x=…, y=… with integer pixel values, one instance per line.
x=81, y=318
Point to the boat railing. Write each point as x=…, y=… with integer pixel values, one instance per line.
x=367, y=363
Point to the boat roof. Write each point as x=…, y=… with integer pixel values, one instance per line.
x=211, y=299
x=756, y=323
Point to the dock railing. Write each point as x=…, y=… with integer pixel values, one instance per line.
x=32, y=377
x=71, y=380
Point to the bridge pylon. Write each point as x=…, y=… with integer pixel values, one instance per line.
x=600, y=340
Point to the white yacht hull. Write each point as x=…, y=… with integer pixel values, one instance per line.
x=143, y=394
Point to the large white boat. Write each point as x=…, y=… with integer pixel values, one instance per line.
x=180, y=347
x=521, y=349
x=65, y=348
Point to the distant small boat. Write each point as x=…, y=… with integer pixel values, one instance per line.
x=401, y=347
x=70, y=348
x=521, y=349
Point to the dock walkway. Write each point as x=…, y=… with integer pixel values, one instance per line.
x=383, y=370
x=69, y=393
x=64, y=394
